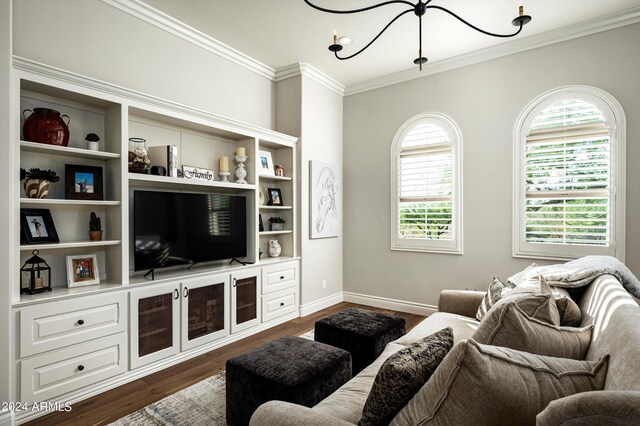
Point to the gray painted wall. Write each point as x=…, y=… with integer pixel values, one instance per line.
x=484, y=100
x=309, y=110
x=7, y=260
x=94, y=39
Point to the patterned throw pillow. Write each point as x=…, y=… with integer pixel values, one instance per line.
x=402, y=375
x=496, y=290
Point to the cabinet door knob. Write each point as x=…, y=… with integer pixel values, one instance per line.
x=185, y=292
x=235, y=282
x=282, y=277
x=80, y=322
x=281, y=303
x=177, y=293
x=81, y=367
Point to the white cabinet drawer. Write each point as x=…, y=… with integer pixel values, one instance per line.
x=59, y=324
x=53, y=374
x=278, y=304
x=280, y=276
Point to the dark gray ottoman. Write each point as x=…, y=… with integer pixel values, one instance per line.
x=363, y=333
x=289, y=369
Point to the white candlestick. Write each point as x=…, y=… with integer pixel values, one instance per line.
x=240, y=151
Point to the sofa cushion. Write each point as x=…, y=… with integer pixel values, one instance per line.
x=488, y=385
x=496, y=290
x=402, y=375
x=511, y=327
x=463, y=327
x=348, y=401
x=616, y=330
x=611, y=408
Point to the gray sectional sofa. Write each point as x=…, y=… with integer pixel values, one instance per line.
x=615, y=316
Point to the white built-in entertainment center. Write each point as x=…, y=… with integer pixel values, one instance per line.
x=73, y=343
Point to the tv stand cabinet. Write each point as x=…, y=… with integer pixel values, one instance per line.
x=94, y=338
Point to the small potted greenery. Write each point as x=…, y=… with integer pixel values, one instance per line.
x=37, y=182
x=92, y=141
x=95, y=227
x=276, y=223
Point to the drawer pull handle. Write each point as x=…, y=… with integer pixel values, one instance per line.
x=81, y=367
x=80, y=322
x=281, y=303
x=282, y=277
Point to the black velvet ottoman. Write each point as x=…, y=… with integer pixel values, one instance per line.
x=289, y=369
x=363, y=333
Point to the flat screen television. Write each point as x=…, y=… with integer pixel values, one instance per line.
x=177, y=228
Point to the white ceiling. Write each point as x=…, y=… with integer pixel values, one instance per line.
x=282, y=32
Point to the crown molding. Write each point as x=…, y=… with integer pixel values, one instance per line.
x=593, y=26
x=167, y=23
x=313, y=73
x=117, y=93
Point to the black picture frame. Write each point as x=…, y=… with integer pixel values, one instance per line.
x=37, y=226
x=260, y=224
x=83, y=182
x=275, y=197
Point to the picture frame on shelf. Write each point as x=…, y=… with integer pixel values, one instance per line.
x=82, y=270
x=265, y=163
x=37, y=226
x=260, y=224
x=83, y=182
x=275, y=197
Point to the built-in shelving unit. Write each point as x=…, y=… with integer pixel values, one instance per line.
x=137, y=321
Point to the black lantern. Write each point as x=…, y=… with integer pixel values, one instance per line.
x=35, y=275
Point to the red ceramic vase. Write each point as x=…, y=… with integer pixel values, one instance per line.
x=46, y=125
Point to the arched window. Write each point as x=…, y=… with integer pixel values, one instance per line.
x=570, y=168
x=426, y=174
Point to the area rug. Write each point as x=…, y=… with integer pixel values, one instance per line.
x=198, y=405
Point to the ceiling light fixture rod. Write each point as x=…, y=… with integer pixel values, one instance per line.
x=419, y=8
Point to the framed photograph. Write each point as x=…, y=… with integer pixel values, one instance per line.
x=325, y=200
x=82, y=270
x=265, y=163
x=260, y=225
x=275, y=197
x=83, y=182
x=37, y=226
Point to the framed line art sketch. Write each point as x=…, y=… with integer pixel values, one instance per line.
x=82, y=182
x=82, y=270
x=325, y=198
x=265, y=163
x=37, y=226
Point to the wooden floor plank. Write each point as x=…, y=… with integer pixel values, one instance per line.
x=116, y=403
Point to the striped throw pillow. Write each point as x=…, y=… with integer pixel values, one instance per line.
x=496, y=290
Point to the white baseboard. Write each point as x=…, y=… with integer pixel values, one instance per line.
x=7, y=419
x=320, y=304
x=394, y=304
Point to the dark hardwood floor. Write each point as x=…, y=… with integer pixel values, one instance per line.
x=116, y=403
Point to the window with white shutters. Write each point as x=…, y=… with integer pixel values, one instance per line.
x=425, y=190
x=567, y=176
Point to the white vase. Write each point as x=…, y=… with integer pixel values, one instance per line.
x=274, y=248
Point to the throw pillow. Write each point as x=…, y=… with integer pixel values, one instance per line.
x=570, y=314
x=495, y=293
x=539, y=306
x=511, y=327
x=488, y=385
x=402, y=375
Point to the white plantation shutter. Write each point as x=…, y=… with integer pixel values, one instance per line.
x=423, y=164
x=425, y=184
x=569, y=172
x=568, y=169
